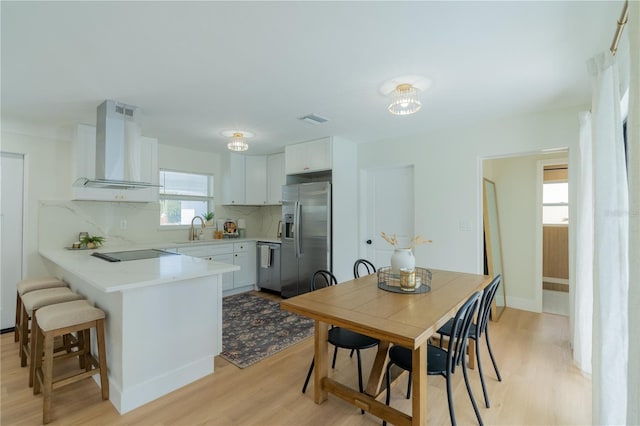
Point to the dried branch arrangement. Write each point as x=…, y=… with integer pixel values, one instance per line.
x=393, y=240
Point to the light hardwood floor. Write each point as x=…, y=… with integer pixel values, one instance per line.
x=540, y=387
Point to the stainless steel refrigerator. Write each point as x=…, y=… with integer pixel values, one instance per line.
x=306, y=236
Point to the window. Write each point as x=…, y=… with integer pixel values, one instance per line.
x=183, y=196
x=555, y=196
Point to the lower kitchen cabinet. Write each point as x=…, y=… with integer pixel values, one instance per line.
x=242, y=254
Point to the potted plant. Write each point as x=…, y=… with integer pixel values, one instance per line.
x=92, y=242
x=208, y=217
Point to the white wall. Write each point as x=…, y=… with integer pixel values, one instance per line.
x=448, y=177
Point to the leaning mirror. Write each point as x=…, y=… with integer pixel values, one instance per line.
x=493, y=247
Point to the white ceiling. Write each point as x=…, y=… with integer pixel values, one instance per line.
x=198, y=68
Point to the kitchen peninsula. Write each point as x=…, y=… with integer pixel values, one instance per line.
x=164, y=318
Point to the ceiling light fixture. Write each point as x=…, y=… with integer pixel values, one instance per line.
x=404, y=93
x=238, y=141
x=404, y=100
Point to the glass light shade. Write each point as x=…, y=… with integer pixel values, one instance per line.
x=237, y=143
x=404, y=100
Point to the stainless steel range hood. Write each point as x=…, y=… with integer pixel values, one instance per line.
x=117, y=149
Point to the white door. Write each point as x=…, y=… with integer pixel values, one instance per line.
x=388, y=207
x=11, y=177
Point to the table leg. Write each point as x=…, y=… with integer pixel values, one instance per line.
x=376, y=377
x=321, y=369
x=419, y=377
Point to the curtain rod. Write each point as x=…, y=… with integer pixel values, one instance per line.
x=621, y=23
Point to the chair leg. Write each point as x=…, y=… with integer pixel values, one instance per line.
x=452, y=415
x=409, y=386
x=351, y=354
x=480, y=372
x=306, y=381
x=360, y=387
x=473, y=400
x=493, y=360
x=24, y=337
x=335, y=353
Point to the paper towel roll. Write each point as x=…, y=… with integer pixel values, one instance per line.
x=242, y=224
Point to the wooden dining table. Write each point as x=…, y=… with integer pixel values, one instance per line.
x=405, y=319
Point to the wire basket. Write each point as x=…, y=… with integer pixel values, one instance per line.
x=418, y=281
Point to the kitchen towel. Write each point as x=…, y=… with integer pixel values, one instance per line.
x=265, y=256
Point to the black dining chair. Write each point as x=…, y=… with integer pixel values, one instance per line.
x=365, y=265
x=441, y=361
x=477, y=329
x=340, y=337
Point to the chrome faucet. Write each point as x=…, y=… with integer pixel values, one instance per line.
x=192, y=232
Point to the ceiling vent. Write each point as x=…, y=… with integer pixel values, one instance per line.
x=313, y=119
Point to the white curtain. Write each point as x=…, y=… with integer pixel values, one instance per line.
x=633, y=143
x=610, y=255
x=583, y=291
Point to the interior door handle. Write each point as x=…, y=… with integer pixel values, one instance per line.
x=368, y=242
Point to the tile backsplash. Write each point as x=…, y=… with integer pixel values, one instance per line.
x=59, y=222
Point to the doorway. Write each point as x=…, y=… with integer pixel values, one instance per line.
x=11, y=213
x=383, y=192
x=555, y=236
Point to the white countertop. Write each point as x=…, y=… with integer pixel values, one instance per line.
x=118, y=276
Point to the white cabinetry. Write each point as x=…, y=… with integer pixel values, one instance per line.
x=307, y=157
x=84, y=148
x=233, y=180
x=242, y=254
x=255, y=180
x=276, y=177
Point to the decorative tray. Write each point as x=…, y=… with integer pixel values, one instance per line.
x=390, y=281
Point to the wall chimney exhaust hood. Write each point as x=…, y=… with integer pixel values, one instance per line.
x=117, y=149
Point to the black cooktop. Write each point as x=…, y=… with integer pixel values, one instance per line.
x=122, y=256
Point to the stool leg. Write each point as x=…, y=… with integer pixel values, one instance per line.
x=16, y=334
x=47, y=373
x=102, y=357
x=81, y=352
x=37, y=365
x=33, y=352
x=24, y=336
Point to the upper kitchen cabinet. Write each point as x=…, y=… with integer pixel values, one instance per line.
x=233, y=179
x=143, y=157
x=276, y=177
x=255, y=185
x=254, y=180
x=307, y=157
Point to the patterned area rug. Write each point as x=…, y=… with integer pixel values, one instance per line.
x=254, y=328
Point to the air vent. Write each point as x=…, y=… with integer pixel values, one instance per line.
x=313, y=119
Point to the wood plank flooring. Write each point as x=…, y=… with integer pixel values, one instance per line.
x=540, y=387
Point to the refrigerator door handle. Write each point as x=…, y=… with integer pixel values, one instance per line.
x=296, y=221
